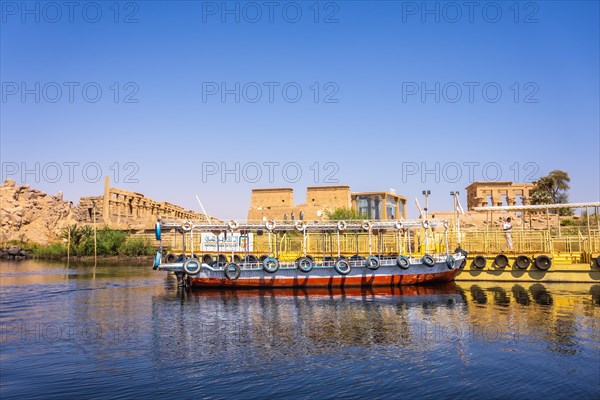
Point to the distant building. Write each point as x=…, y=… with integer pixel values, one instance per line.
x=276, y=203
x=117, y=208
x=483, y=194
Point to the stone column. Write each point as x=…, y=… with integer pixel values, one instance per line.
x=106, y=200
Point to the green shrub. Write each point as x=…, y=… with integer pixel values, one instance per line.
x=108, y=242
x=343, y=213
x=135, y=246
x=52, y=250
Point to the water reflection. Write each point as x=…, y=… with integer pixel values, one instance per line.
x=415, y=317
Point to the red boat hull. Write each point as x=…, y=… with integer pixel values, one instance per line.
x=326, y=281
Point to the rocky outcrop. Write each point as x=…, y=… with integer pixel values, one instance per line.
x=13, y=252
x=28, y=214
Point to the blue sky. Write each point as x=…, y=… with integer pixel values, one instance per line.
x=388, y=89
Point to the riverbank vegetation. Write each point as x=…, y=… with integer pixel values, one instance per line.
x=80, y=243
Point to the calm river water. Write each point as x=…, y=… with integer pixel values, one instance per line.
x=122, y=331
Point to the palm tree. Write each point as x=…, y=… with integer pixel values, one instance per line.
x=552, y=189
x=76, y=235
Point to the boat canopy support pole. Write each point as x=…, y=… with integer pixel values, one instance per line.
x=409, y=243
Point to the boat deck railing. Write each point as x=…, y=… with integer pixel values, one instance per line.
x=323, y=239
x=299, y=225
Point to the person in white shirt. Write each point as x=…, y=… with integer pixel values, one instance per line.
x=507, y=228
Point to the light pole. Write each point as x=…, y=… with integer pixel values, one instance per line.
x=95, y=237
x=426, y=193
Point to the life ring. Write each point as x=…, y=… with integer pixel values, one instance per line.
x=399, y=225
x=479, y=262
x=170, y=258
x=342, y=225
x=233, y=225
x=425, y=224
x=232, y=275
x=271, y=265
x=543, y=262
x=157, y=230
x=191, y=266
x=428, y=260
x=270, y=225
x=450, y=262
x=501, y=261
x=300, y=226
x=372, y=263
x=157, y=258
x=366, y=225
x=304, y=264
x=187, y=226
x=403, y=262
x=342, y=267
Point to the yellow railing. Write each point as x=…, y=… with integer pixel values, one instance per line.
x=290, y=245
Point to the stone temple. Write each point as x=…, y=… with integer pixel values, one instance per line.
x=119, y=208
x=278, y=203
x=484, y=194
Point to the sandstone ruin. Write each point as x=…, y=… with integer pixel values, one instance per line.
x=30, y=215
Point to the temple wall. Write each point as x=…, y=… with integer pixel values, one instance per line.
x=117, y=207
x=500, y=193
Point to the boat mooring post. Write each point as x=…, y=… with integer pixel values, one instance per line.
x=68, y=243
x=95, y=235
